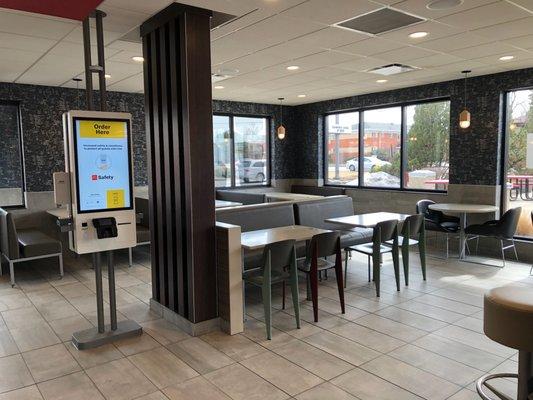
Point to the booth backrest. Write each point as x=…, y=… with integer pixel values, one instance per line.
x=245, y=198
x=262, y=216
x=313, y=213
x=8, y=235
x=318, y=190
x=141, y=206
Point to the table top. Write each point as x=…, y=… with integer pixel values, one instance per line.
x=224, y=203
x=254, y=240
x=438, y=181
x=366, y=220
x=519, y=176
x=463, y=208
x=291, y=196
x=60, y=213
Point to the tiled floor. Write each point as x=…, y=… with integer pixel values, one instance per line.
x=423, y=342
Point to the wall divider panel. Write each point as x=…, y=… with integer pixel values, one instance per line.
x=177, y=86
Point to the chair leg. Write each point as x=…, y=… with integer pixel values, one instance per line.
x=61, y=272
x=376, y=271
x=283, y=296
x=295, y=299
x=12, y=273
x=447, y=246
x=514, y=248
x=130, y=257
x=267, y=303
x=369, y=278
x=477, y=245
x=308, y=284
x=340, y=286
x=313, y=277
x=345, y=267
x=405, y=262
x=503, y=253
x=396, y=262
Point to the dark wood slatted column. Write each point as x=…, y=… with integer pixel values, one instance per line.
x=177, y=82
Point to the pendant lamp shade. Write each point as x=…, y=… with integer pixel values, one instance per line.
x=281, y=128
x=464, y=117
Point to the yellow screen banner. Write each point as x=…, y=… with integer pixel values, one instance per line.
x=103, y=129
x=115, y=198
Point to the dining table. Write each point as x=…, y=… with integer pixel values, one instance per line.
x=283, y=196
x=224, y=203
x=368, y=220
x=463, y=210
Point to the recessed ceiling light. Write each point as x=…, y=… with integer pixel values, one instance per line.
x=506, y=58
x=418, y=35
x=444, y=4
x=138, y=59
x=219, y=87
x=302, y=95
x=381, y=81
x=293, y=67
x=107, y=76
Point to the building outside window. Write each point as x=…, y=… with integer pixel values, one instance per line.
x=241, y=150
x=403, y=147
x=11, y=156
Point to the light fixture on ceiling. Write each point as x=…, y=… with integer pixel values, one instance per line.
x=464, y=117
x=381, y=81
x=438, y=5
x=219, y=87
x=506, y=58
x=107, y=76
x=418, y=35
x=293, y=67
x=301, y=96
x=138, y=59
x=281, y=128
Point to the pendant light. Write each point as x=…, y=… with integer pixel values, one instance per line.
x=464, y=117
x=281, y=128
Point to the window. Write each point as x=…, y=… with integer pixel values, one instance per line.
x=402, y=147
x=518, y=183
x=11, y=157
x=241, y=151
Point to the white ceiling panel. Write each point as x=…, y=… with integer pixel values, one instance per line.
x=369, y=46
x=131, y=84
x=25, y=43
x=405, y=53
x=327, y=12
x=34, y=25
x=491, y=14
x=484, y=50
x=434, y=61
x=434, y=29
x=456, y=42
x=418, y=7
x=507, y=30
x=523, y=42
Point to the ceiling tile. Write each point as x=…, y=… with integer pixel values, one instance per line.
x=25, y=43
x=483, y=50
x=507, y=30
x=418, y=7
x=405, y=53
x=369, y=47
x=524, y=42
x=456, y=42
x=329, y=13
x=487, y=15
x=324, y=59
x=435, y=29
x=25, y=24
x=434, y=60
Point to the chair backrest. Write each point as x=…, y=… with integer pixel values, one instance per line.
x=508, y=222
x=422, y=207
x=385, y=230
x=8, y=235
x=313, y=213
x=414, y=223
x=327, y=244
x=318, y=190
x=282, y=254
x=260, y=216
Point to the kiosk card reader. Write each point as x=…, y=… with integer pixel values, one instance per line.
x=98, y=161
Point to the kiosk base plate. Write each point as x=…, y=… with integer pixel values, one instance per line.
x=91, y=338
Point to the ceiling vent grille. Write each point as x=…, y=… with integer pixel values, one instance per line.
x=380, y=21
x=391, y=69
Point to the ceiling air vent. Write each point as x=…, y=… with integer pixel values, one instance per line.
x=391, y=69
x=380, y=21
x=219, y=18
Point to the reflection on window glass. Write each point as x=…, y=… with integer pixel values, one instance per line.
x=250, y=150
x=222, y=150
x=382, y=147
x=427, y=145
x=342, y=148
x=247, y=138
x=519, y=169
x=11, y=172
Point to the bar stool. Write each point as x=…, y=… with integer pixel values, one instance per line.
x=508, y=319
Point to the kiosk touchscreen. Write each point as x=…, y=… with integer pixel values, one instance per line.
x=99, y=160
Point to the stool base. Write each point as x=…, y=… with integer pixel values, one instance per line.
x=524, y=376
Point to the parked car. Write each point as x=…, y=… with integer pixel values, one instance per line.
x=370, y=163
x=252, y=170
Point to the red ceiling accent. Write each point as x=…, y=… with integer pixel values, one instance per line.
x=77, y=9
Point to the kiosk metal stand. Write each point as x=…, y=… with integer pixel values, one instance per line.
x=102, y=334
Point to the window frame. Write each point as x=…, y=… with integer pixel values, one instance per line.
x=268, y=160
x=403, y=150
x=17, y=104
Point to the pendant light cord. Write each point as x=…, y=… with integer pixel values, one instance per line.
x=466, y=76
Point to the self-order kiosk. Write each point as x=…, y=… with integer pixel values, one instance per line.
x=98, y=163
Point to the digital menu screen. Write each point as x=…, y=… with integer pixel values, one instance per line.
x=103, y=164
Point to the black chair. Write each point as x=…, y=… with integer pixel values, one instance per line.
x=320, y=247
x=502, y=229
x=278, y=266
x=436, y=221
x=383, y=232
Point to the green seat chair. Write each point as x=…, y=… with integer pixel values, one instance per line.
x=278, y=265
x=320, y=247
x=383, y=232
x=413, y=233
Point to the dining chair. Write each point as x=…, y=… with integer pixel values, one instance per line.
x=319, y=248
x=278, y=265
x=437, y=221
x=502, y=229
x=383, y=232
x=413, y=233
